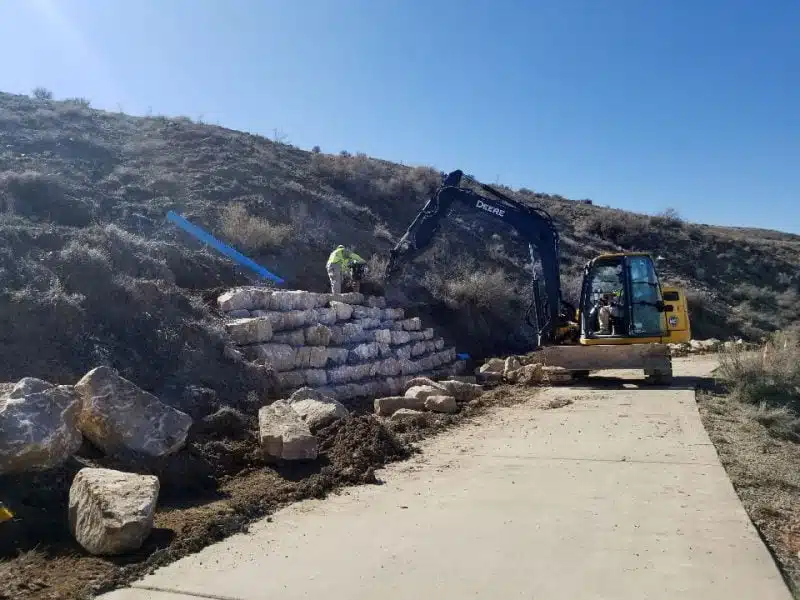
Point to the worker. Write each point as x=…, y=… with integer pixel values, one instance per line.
x=340, y=262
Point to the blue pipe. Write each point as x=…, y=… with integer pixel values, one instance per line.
x=231, y=253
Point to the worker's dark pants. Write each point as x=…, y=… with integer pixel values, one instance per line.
x=335, y=275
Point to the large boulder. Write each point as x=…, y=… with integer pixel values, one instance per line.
x=389, y=405
x=316, y=409
x=343, y=311
x=38, y=426
x=284, y=435
x=252, y=330
x=111, y=512
x=117, y=415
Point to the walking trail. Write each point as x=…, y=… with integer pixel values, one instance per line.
x=617, y=495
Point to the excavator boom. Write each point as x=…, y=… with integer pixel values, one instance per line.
x=535, y=225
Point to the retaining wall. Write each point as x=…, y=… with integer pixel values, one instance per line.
x=346, y=345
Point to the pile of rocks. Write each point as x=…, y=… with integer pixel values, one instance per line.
x=708, y=346
x=423, y=394
x=344, y=345
x=42, y=425
x=526, y=369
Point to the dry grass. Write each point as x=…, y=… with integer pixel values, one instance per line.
x=755, y=427
x=252, y=233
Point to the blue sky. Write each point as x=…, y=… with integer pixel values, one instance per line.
x=638, y=104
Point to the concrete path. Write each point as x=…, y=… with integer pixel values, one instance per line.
x=619, y=495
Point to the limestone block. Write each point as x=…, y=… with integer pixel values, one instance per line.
x=403, y=352
x=389, y=367
x=441, y=404
x=400, y=337
x=363, y=352
x=280, y=357
x=283, y=434
x=385, y=350
x=316, y=409
x=382, y=336
x=111, y=512
x=438, y=344
x=389, y=405
x=244, y=299
x=408, y=367
x=311, y=357
x=343, y=311
x=355, y=298
x=365, y=312
x=392, y=314
x=418, y=349
x=325, y=316
x=460, y=390
x=412, y=324
x=286, y=380
x=368, y=323
x=239, y=314
x=428, y=333
x=317, y=335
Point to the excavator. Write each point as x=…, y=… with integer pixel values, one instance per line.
x=625, y=317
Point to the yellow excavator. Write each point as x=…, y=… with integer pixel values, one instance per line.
x=625, y=317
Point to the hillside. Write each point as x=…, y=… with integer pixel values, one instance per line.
x=91, y=272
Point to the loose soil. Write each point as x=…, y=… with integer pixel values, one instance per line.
x=210, y=490
x=764, y=471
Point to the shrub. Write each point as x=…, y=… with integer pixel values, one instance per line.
x=250, y=232
x=82, y=102
x=41, y=93
x=770, y=378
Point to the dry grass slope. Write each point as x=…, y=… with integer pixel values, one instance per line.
x=91, y=272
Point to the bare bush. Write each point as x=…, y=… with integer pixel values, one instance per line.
x=769, y=379
x=250, y=232
x=41, y=93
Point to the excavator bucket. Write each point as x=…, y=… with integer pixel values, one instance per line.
x=654, y=359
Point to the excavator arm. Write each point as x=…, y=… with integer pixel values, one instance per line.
x=535, y=225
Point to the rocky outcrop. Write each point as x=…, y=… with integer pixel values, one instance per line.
x=315, y=408
x=116, y=415
x=284, y=435
x=38, y=426
x=111, y=512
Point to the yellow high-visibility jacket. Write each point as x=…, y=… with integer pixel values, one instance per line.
x=5, y=514
x=342, y=257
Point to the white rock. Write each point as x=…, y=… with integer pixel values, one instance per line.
x=391, y=404
x=376, y=301
x=389, y=367
x=385, y=350
x=438, y=344
x=441, y=404
x=392, y=314
x=369, y=323
x=421, y=392
x=118, y=415
x=365, y=312
x=526, y=374
x=408, y=367
x=400, y=337
x=382, y=336
x=314, y=357
x=239, y=314
x=239, y=299
x=38, y=426
x=493, y=365
x=318, y=335
x=111, y=512
x=325, y=316
x=364, y=352
x=355, y=298
x=253, y=330
x=406, y=415
x=428, y=333
x=283, y=434
x=418, y=349
x=316, y=408
x=462, y=391
x=412, y=324
x=343, y=311
x=280, y=357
